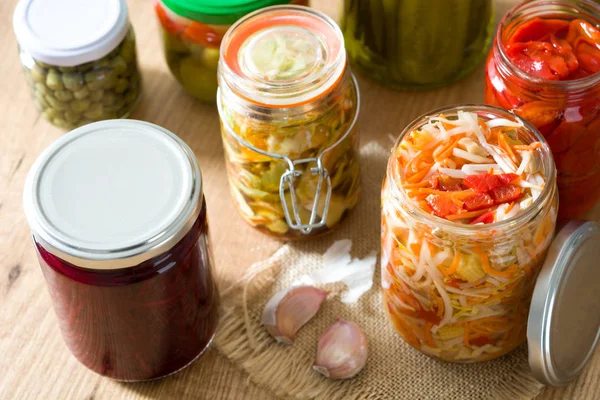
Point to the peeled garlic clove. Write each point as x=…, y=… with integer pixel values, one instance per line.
x=342, y=351
x=288, y=310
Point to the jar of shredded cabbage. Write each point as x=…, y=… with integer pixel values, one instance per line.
x=192, y=31
x=417, y=44
x=469, y=207
x=288, y=105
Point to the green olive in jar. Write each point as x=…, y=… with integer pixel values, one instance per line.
x=87, y=82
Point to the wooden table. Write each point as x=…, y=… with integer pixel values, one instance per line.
x=34, y=362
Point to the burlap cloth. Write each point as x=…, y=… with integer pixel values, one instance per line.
x=394, y=370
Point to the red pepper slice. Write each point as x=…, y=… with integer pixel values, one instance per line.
x=556, y=49
x=485, y=182
x=478, y=201
x=170, y=26
x=504, y=194
x=480, y=341
x=539, y=113
x=486, y=218
x=564, y=136
x=203, y=35
x=442, y=206
x=582, y=28
x=588, y=56
x=538, y=28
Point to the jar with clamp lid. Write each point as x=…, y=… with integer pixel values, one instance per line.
x=289, y=106
x=119, y=223
x=79, y=59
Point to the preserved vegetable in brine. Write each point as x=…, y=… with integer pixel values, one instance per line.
x=288, y=107
x=129, y=269
x=78, y=73
x=545, y=65
x=141, y=322
x=192, y=33
x=417, y=44
x=469, y=210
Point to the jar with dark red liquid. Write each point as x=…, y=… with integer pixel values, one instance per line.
x=119, y=224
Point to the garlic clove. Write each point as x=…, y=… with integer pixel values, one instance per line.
x=342, y=351
x=290, y=309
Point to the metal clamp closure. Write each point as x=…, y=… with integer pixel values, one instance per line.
x=288, y=178
x=286, y=182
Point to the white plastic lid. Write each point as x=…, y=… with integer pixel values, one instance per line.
x=112, y=191
x=66, y=33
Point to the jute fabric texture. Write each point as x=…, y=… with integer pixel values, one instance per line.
x=394, y=370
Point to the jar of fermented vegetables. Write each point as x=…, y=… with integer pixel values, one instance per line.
x=469, y=207
x=545, y=65
x=288, y=105
x=417, y=44
x=192, y=32
x=79, y=59
x=118, y=218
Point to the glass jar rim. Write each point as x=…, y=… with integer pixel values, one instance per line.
x=514, y=222
x=312, y=25
x=518, y=11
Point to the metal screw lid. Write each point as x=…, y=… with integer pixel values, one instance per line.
x=564, y=320
x=113, y=194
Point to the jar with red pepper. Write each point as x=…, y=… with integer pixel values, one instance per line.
x=545, y=65
x=192, y=31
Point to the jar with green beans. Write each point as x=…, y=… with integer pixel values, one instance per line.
x=417, y=44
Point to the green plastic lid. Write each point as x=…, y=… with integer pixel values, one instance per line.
x=218, y=12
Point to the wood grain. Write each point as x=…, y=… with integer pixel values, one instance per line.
x=34, y=362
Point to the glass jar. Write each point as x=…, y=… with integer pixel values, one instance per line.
x=566, y=112
x=288, y=105
x=412, y=44
x=119, y=224
x=461, y=292
x=80, y=62
x=192, y=32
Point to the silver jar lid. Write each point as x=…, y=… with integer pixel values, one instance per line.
x=113, y=194
x=564, y=320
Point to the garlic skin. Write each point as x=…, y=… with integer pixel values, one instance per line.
x=342, y=351
x=290, y=309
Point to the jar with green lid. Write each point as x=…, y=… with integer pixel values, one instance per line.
x=79, y=59
x=417, y=44
x=192, y=31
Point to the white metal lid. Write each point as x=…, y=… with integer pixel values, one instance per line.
x=66, y=33
x=564, y=320
x=113, y=193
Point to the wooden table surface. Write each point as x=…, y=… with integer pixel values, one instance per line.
x=34, y=361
